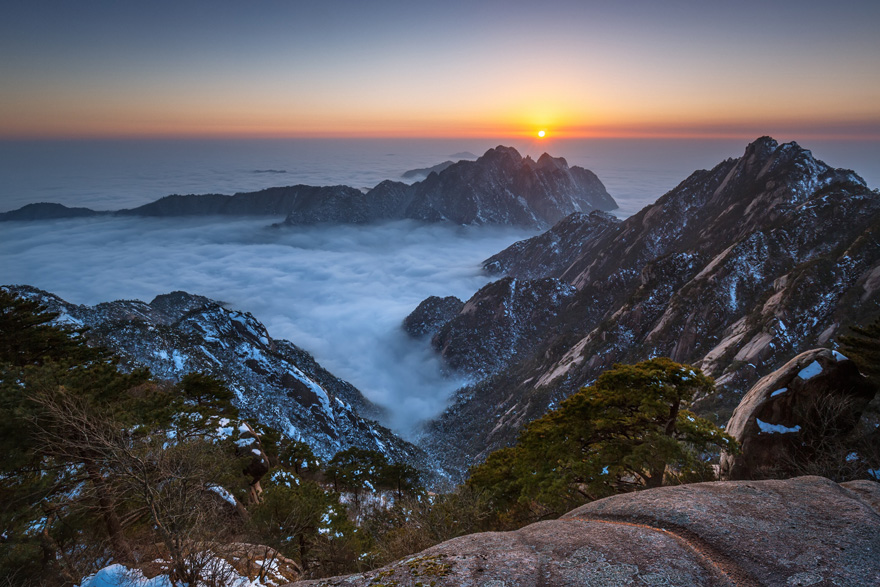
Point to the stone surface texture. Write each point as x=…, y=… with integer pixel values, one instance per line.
x=803, y=531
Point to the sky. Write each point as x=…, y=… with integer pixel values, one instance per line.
x=455, y=68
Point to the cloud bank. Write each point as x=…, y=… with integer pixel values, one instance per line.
x=339, y=292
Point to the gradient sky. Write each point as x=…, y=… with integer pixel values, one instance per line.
x=414, y=68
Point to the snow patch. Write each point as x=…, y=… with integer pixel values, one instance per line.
x=810, y=370
x=222, y=493
x=767, y=428
x=119, y=576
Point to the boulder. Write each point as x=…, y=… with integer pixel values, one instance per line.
x=804, y=531
x=800, y=418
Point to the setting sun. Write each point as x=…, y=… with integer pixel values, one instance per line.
x=541, y=134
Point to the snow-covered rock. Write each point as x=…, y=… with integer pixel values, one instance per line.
x=274, y=381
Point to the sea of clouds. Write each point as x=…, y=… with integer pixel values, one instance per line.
x=339, y=292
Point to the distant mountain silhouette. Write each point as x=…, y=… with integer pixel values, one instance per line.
x=501, y=187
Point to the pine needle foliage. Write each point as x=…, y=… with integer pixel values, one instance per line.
x=630, y=430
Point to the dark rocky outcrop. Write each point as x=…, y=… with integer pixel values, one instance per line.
x=501, y=187
x=506, y=316
x=269, y=202
x=804, y=531
x=801, y=417
x=736, y=270
x=430, y=315
x=274, y=381
x=47, y=211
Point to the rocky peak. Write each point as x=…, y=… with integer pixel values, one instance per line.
x=177, y=304
x=500, y=155
x=759, y=151
x=431, y=314
x=545, y=161
x=274, y=381
x=503, y=188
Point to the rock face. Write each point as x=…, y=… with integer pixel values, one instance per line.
x=800, y=416
x=804, y=531
x=431, y=314
x=736, y=270
x=274, y=381
x=501, y=187
x=551, y=252
x=515, y=312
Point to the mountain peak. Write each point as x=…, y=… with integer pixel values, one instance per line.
x=545, y=161
x=764, y=144
x=177, y=304
x=500, y=153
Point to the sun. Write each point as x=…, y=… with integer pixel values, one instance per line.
x=542, y=134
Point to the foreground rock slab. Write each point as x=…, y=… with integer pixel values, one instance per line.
x=803, y=531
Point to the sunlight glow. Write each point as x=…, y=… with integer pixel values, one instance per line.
x=541, y=134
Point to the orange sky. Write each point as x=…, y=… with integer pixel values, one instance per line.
x=394, y=69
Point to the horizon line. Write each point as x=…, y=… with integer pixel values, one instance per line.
x=806, y=134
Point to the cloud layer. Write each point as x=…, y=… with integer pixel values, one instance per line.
x=338, y=292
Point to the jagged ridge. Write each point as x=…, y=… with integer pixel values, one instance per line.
x=736, y=270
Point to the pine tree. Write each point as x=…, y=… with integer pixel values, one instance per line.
x=629, y=430
x=95, y=458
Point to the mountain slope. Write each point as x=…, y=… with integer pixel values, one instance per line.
x=274, y=381
x=736, y=270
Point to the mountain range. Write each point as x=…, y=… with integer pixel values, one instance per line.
x=736, y=270
x=501, y=187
